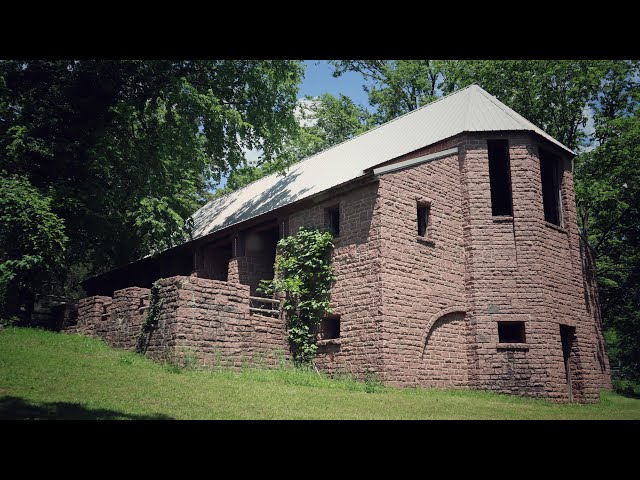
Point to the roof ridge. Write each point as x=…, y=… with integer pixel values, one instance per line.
x=519, y=118
x=466, y=113
x=388, y=122
x=493, y=99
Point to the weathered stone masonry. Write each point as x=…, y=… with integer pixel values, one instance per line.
x=206, y=320
x=413, y=310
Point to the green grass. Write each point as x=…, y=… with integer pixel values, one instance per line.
x=52, y=375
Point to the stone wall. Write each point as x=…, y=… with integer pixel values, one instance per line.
x=423, y=277
x=446, y=360
x=50, y=312
x=201, y=321
x=356, y=296
x=117, y=320
x=209, y=320
x=127, y=312
x=91, y=312
x=515, y=268
x=522, y=268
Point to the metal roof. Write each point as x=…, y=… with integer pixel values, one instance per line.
x=470, y=109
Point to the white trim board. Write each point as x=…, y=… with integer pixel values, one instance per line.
x=415, y=161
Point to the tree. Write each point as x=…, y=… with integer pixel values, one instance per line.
x=323, y=122
x=395, y=87
x=32, y=242
x=326, y=121
x=553, y=94
x=607, y=183
x=127, y=150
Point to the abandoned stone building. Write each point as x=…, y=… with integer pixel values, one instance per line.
x=457, y=253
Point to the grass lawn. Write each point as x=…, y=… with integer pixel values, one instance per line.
x=52, y=375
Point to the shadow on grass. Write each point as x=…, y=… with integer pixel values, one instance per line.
x=16, y=408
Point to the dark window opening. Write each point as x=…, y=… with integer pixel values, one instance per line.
x=511, y=332
x=333, y=220
x=499, y=177
x=551, y=175
x=567, y=337
x=329, y=328
x=423, y=219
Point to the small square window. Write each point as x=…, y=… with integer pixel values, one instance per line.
x=511, y=332
x=333, y=220
x=329, y=328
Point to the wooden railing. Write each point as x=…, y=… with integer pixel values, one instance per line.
x=264, y=306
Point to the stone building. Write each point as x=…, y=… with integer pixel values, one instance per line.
x=457, y=252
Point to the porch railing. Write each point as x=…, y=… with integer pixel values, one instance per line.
x=264, y=306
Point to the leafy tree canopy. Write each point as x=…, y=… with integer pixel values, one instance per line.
x=323, y=122
x=32, y=241
x=607, y=183
x=395, y=87
x=127, y=150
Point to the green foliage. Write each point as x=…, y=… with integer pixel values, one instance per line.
x=323, y=122
x=553, y=94
x=626, y=388
x=304, y=273
x=607, y=181
x=32, y=240
x=127, y=150
x=395, y=87
x=326, y=121
x=152, y=317
x=8, y=322
x=158, y=225
x=373, y=384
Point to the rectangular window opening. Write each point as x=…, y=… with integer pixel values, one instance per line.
x=329, y=328
x=499, y=177
x=551, y=175
x=424, y=210
x=333, y=220
x=511, y=332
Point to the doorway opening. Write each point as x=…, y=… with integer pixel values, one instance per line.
x=567, y=336
x=214, y=260
x=260, y=255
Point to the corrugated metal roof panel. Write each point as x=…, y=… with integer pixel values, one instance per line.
x=470, y=109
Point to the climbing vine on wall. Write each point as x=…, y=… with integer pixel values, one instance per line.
x=304, y=273
x=152, y=317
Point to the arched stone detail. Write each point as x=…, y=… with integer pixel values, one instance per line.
x=445, y=360
x=432, y=321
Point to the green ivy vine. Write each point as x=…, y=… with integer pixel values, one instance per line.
x=152, y=317
x=304, y=273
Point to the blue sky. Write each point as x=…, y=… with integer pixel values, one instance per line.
x=318, y=79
